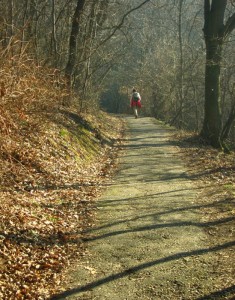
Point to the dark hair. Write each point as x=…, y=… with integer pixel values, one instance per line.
x=134, y=90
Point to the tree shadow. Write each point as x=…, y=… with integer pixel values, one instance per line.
x=41, y=240
x=162, y=213
x=76, y=118
x=133, y=270
x=159, y=226
x=27, y=236
x=226, y=292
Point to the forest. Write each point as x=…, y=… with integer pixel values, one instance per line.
x=67, y=69
x=164, y=48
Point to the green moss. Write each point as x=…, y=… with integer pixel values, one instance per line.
x=64, y=132
x=81, y=141
x=229, y=187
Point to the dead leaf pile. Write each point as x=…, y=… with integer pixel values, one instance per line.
x=53, y=163
x=44, y=214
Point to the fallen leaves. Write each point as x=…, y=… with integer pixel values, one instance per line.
x=214, y=173
x=47, y=203
x=51, y=169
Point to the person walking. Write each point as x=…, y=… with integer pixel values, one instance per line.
x=135, y=102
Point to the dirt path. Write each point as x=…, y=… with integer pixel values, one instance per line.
x=149, y=242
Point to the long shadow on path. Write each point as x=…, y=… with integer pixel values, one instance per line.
x=140, y=267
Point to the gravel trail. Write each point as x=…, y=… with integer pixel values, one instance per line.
x=149, y=241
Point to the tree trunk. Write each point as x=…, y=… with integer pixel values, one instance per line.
x=73, y=38
x=213, y=33
x=181, y=61
x=212, y=122
x=54, y=47
x=228, y=124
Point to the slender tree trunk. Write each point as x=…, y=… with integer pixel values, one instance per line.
x=73, y=38
x=12, y=18
x=91, y=34
x=228, y=124
x=53, y=37
x=73, y=41
x=181, y=61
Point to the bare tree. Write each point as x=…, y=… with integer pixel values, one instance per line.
x=74, y=38
x=216, y=32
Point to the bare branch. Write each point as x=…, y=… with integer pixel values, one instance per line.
x=122, y=21
x=229, y=26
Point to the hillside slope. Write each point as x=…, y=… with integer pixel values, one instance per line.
x=53, y=164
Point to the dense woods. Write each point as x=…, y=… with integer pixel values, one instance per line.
x=104, y=48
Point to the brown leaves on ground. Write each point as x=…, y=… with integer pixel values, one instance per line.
x=214, y=173
x=53, y=162
x=208, y=165
x=44, y=214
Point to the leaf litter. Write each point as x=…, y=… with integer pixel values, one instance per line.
x=214, y=173
x=54, y=161
x=48, y=186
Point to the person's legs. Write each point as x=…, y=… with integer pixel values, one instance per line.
x=139, y=107
x=135, y=109
x=138, y=111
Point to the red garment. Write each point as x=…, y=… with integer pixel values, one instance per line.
x=136, y=103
